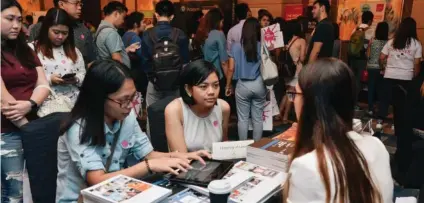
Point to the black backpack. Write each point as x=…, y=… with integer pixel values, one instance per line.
x=287, y=65
x=166, y=61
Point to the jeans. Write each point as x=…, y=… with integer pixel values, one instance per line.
x=12, y=166
x=250, y=100
x=400, y=119
x=358, y=65
x=385, y=98
x=153, y=95
x=374, y=83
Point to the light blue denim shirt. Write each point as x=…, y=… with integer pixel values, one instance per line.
x=243, y=69
x=75, y=159
x=215, y=51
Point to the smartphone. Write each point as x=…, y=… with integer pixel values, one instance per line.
x=68, y=76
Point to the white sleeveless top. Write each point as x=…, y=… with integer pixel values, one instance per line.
x=200, y=133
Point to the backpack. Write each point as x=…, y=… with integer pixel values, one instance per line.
x=166, y=61
x=356, y=44
x=287, y=65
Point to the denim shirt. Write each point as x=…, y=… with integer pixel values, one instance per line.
x=162, y=29
x=75, y=159
x=215, y=51
x=243, y=69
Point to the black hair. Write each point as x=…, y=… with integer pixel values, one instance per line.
x=406, y=32
x=263, y=12
x=114, y=6
x=303, y=20
x=213, y=19
x=324, y=3
x=382, y=31
x=367, y=17
x=103, y=78
x=56, y=16
x=241, y=11
x=56, y=3
x=194, y=74
x=18, y=47
x=165, y=8
x=293, y=29
x=41, y=19
x=283, y=27
x=134, y=18
x=250, y=36
x=29, y=19
x=336, y=31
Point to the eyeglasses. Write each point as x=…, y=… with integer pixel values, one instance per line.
x=78, y=3
x=124, y=104
x=291, y=95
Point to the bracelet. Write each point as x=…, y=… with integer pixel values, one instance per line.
x=148, y=166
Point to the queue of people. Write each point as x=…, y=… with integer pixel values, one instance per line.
x=101, y=74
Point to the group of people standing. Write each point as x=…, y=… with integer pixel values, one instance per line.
x=330, y=163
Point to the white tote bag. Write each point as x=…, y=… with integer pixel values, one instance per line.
x=54, y=103
x=269, y=70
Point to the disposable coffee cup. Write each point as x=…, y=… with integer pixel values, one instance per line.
x=219, y=191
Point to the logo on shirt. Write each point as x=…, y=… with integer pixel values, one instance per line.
x=215, y=123
x=82, y=36
x=124, y=144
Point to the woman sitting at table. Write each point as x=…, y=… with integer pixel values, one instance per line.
x=332, y=163
x=102, y=131
x=198, y=118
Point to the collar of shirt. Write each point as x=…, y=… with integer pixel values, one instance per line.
x=115, y=128
x=325, y=19
x=364, y=26
x=108, y=24
x=161, y=23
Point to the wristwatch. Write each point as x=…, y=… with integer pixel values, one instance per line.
x=34, y=104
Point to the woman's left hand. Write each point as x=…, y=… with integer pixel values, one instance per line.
x=197, y=155
x=16, y=110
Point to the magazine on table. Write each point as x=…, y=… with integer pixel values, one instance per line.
x=123, y=189
x=188, y=196
x=251, y=183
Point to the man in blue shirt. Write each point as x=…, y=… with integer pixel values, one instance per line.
x=164, y=12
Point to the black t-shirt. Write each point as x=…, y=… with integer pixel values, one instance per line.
x=324, y=32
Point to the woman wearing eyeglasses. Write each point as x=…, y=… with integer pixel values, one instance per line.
x=331, y=162
x=102, y=131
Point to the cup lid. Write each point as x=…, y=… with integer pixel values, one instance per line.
x=219, y=187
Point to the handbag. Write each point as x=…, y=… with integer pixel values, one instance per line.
x=54, y=103
x=288, y=66
x=269, y=70
x=364, y=76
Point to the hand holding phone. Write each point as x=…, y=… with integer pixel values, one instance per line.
x=68, y=76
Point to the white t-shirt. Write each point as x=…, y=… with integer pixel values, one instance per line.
x=400, y=63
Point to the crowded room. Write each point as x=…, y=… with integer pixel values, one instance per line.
x=212, y=101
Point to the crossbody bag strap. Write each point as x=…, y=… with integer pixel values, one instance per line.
x=114, y=144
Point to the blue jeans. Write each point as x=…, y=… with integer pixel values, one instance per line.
x=12, y=166
x=374, y=85
x=250, y=100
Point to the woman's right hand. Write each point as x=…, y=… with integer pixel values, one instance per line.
x=56, y=79
x=169, y=165
x=228, y=91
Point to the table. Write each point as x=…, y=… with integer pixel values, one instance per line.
x=161, y=180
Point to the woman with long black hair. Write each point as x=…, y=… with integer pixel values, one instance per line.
x=403, y=54
x=250, y=92
x=331, y=162
x=22, y=80
x=102, y=131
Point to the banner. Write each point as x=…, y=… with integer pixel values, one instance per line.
x=292, y=11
